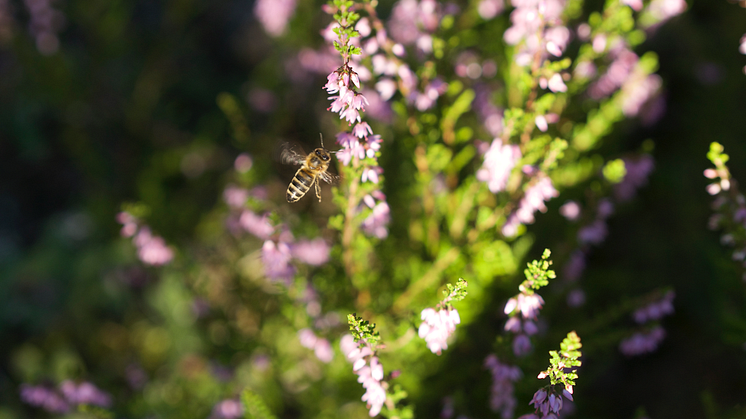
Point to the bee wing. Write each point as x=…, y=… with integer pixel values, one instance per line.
x=290, y=156
x=329, y=178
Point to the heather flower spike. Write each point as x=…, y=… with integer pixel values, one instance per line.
x=438, y=325
x=524, y=307
x=562, y=371
x=360, y=349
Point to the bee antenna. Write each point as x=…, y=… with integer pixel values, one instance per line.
x=322, y=140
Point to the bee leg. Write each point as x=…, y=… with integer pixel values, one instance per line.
x=318, y=189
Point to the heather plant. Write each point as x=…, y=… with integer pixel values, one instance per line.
x=468, y=135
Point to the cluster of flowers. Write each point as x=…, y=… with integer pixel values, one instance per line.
x=369, y=371
x=533, y=199
x=151, y=250
x=502, y=398
x=647, y=341
x=279, y=247
x=65, y=397
x=439, y=324
x=537, y=25
x=523, y=310
x=360, y=147
x=547, y=403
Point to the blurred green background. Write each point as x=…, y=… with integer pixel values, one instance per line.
x=129, y=110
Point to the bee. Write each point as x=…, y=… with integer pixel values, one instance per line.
x=314, y=167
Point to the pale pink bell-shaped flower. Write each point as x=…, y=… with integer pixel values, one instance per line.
x=499, y=161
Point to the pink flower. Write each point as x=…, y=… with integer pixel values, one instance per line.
x=528, y=305
x=152, y=250
x=556, y=84
x=375, y=224
x=235, y=197
x=499, y=161
x=256, y=225
x=488, y=9
x=532, y=201
x=276, y=259
x=655, y=310
x=227, y=409
x=594, y=233
x=521, y=345
x=570, y=210
x=274, y=15
x=642, y=343
x=84, y=393
x=243, y=163
x=371, y=173
x=44, y=397
x=437, y=326
x=313, y=252
x=502, y=398
x=369, y=370
x=636, y=5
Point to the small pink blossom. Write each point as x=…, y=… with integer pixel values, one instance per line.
x=235, y=197
x=276, y=260
x=313, y=252
x=256, y=225
x=499, y=161
x=274, y=15
x=556, y=84
x=643, y=342
x=227, y=409
x=375, y=224
x=437, y=326
x=570, y=210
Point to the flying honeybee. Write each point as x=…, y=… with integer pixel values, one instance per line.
x=314, y=167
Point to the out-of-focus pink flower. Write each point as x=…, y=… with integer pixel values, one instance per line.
x=522, y=345
x=375, y=224
x=321, y=347
x=642, y=343
x=243, y=163
x=556, y=84
x=227, y=409
x=276, y=259
x=502, y=398
x=636, y=5
x=617, y=73
x=235, y=196
x=84, y=393
x=637, y=91
x=274, y=15
x=313, y=252
x=663, y=10
x=655, y=310
x=437, y=326
x=256, y=225
x=499, y=161
x=570, y=210
x=44, y=397
x=488, y=9
x=152, y=250
x=593, y=233
x=532, y=201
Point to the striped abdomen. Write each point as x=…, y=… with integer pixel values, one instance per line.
x=300, y=184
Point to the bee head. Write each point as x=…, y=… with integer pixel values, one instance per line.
x=322, y=154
